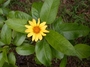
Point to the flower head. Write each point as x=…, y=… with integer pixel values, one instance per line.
x=36, y=30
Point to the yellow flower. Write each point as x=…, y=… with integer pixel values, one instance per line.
x=36, y=30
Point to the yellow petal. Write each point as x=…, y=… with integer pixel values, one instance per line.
x=43, y=28
x=27, y=26
x=38, y=21
x=27, y=31
x=36, y=37
x=43, y=34
x=33, y=37
x=42, y=24
x=34, y=22
x=29, y=35
x=31, y=23
x=46, y=31
x=40, y=37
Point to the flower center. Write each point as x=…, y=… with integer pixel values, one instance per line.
x=36, y=29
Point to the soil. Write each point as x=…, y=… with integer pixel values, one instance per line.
x=28, y=61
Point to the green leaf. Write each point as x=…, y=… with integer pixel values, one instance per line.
x=6, y=3
x=60, y=43
x=72, y=30
x=56, y=23
x=49, y=10
x=14, y=34
x=1, y=49
x=83, y=50
x=6, y=11
x=6, y=34
x=8, y=65
x=1, y=56
x=5, y=52
x=19, y=15
x=57, y=54
x=43, y=52
x=63, y=62
x=37, y=61
x=17, y=24
x=1, y=43
x=11, y=58
x=2, y=19
x=1, y=60
x=25, y=49
x=19, y=39
x=35, y=10
x=1, y=11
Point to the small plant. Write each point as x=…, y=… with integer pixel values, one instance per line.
x=42, y=33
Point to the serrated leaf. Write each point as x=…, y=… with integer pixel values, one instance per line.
x=72, y=30
x=35, y=10
x=60, y=43
x=19, y=15
x=19, y=39
x=49, y=10
x=17, y=24
x=6, y=34
x=83, y=50
x=11, y=58
x=25, y=49
x=43, y=52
